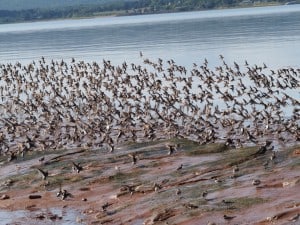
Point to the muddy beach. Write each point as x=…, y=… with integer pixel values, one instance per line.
x=193, y=185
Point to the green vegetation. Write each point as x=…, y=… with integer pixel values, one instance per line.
x=33, y=10
x=207, y=149
x=240, y=203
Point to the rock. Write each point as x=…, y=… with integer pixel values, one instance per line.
x=35, y=196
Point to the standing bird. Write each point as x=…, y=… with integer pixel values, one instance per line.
x=204, y=194
x=43, y=173
x=133, y=158
x=172, y=149
x=235, y=170
x=179, y=167
x=273, y=156
x=77, y=167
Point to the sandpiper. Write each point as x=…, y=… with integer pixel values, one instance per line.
x=273, y=156
x=76, y=167
x=256, y=182
x=226, y=217
x=180, y=167
x=133, y=158
x=172, y=149
x=178, y=191
x=204, y=194
x=43, y=173
x=295, y=218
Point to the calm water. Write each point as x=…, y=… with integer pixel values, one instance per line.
x=269, y=34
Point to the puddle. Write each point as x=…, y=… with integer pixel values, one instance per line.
x=46, y=216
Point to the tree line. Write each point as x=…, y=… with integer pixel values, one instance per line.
x=127, y=7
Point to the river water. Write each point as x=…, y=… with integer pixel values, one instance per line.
x=268, y=35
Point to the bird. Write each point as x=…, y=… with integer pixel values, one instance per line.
x=180, y=167
x=190, y=206
x=211, y=223
x=76, y=167
x=66, y=104
x=235, y=169
x=133, y=158
x=217, y=180
x=295, y=217
x=156, y=187
x=204, y=194
x=273, y=156
x=227, y=201
x=172, y=149
x=226, y=217
x=256, y=182
x=11, y=157
x=65, y=194
x=105, y=206
x=41, y=159
x=44, y=174
x=178, y=191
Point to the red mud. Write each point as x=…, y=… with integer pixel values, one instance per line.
x=111, y=190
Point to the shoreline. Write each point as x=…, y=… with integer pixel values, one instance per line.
x=121, y=14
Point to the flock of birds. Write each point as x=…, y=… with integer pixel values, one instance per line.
x=60, y=105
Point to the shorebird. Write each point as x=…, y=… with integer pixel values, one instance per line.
x=64, y=105
x=295, y=217
x=180, y=167
x=211, y=223
x=65, y=194
x=235, y=169
x=41, y=160
x=226, y=217
x=105, y=206
x=133, y=158
x=273, y=156
x=44, y=174
x=256, y=182
x=172, y=149
x=11, y=157
x=156, y=187
x=204, y=194
x=190, y=206
x=76, y=167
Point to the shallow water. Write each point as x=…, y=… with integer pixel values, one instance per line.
x=45, y=216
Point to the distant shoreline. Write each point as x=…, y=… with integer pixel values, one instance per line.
x=122, y=13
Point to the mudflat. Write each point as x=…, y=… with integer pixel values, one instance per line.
x=145, y=183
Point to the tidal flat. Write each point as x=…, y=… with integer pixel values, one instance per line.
x=178, y=188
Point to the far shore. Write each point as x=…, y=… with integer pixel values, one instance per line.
x=122, y=13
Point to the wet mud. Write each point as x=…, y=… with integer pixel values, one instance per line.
x=143, y=183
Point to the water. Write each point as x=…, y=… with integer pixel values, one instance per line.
x=268, y=34
x=47, y=216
